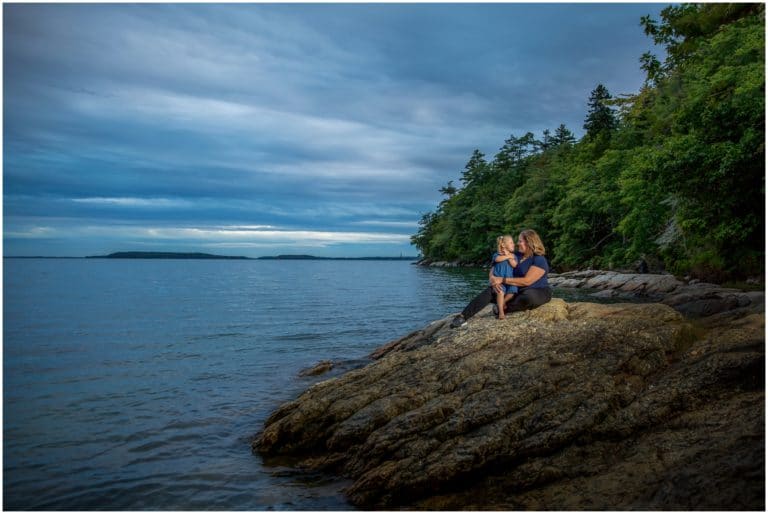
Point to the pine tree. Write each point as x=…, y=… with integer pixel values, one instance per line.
x=547, y=142
x=601, y=117
x=448, y=190
x=475, y=168
x=563, y=136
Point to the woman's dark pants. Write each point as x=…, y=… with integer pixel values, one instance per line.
x=527, y=299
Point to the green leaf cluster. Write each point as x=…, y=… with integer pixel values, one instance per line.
x=674, y=174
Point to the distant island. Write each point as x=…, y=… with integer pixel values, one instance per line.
x=369, y=258
x=164, y=255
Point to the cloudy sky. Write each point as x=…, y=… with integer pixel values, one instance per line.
x=254, y=130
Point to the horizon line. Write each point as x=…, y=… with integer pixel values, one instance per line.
x=107, y=256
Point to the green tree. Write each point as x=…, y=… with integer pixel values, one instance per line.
x=710, y=106
x=448, y=190
x=547, y=141
x=563, y=136
x=600, y=118
x=676, y=174
x=589, y=213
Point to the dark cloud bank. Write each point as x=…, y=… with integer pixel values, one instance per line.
x=264, y=129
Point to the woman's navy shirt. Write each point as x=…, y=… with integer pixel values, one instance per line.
x=534, y=261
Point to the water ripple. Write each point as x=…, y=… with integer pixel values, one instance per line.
x=151, y=402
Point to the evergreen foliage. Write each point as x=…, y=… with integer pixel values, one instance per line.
x=600, y=119
x=674, y=174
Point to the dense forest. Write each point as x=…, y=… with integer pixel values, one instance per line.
x=674, y=174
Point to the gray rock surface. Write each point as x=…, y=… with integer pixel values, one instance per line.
x=318, y=369
x=565, y=407
x=693, y=299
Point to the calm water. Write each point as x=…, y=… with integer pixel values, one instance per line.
x=139, y=384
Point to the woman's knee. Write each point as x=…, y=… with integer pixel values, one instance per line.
x=545, y=296
x=530, y=299
x=519, y=302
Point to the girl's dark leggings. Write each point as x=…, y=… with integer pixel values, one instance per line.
x=526, y=299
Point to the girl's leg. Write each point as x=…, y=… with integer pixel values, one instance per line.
x=500, y=302
x=507, y=297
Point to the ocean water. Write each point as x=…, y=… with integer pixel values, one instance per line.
x=139, y=384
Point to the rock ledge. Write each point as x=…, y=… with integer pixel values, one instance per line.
x=694, y=299
x=566, y=407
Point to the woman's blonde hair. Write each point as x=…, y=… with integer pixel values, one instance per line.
x=500, y=242
x=533, y=241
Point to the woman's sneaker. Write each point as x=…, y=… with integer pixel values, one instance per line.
x=458, y=321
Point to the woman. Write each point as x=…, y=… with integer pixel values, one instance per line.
x=533, y=287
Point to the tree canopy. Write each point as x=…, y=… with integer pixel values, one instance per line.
x=674, y=174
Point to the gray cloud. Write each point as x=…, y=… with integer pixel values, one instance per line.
x=310, y=118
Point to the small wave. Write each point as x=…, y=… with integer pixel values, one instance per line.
x=191, y=424
x=301, y=337
x=210, y=376
x=151, y=459
x=149, y=446
x=216, y=336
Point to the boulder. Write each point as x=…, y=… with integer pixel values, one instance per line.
x=581, y=274
x=565, y=407
x=570, y=282
x=607, y=280
x=694, y=299
x=637, y=283
x=318, y=369
x=607, y=293
x=705, y=299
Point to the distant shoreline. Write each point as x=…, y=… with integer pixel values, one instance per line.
x=366, y=258
x=200, y=255
x=164, y=255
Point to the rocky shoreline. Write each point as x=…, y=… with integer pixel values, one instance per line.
x=691, y=297
x=694, y=299
x=567, y=407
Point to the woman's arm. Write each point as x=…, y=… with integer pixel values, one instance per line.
x=494, y=280
x=532, y=276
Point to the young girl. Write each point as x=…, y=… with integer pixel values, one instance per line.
x=504, y=261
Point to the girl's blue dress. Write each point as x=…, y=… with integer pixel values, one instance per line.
x=504, y=270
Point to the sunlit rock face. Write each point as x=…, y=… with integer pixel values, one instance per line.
x=565, y=407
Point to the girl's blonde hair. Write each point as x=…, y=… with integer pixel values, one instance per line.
x=533, y=241
x=500, y=242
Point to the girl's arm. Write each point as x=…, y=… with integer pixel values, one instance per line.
x=503, y=257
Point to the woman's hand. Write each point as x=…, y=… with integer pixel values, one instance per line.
x=496, y=283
